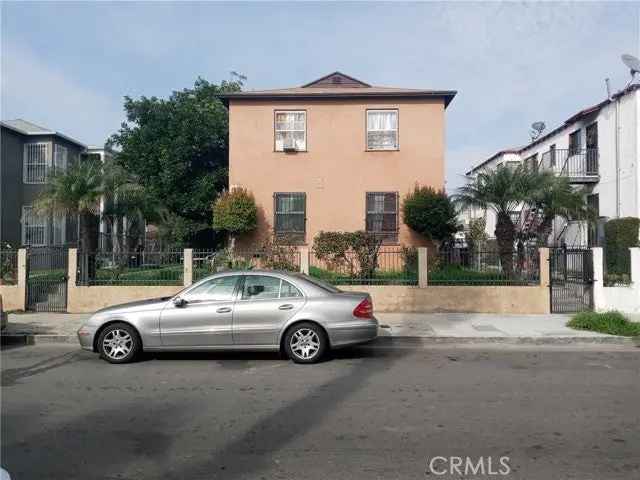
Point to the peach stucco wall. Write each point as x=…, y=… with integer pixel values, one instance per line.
x=336, y=171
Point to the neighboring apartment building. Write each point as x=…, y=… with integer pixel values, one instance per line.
x=336, y=154
x=29, y=153
x=597, y=149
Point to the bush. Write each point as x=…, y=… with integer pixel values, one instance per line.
x=352, y=250
x=620, y=235
x=410, y=261
x=613, y=323
x=430, y=213
x=235, y=212
x=477, y=236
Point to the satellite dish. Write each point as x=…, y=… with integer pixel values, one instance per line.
x=536, y=130
x=634, y=66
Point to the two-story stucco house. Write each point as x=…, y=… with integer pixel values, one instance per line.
x=28, y=156
x=336, y=154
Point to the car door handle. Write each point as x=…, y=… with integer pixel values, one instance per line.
x=286, y=306
x=223, y=310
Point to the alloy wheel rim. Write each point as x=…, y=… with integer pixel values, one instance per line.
x=117, y=344
x=305, y=343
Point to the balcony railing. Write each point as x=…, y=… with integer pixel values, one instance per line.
x=579, y=165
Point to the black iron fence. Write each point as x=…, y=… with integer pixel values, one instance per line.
x=8, y=267
x=47, y=278
x=389, y=266
x=573, y=163
x=208, y=262
x=617, y=267
x=463, y=266
x=131, y=268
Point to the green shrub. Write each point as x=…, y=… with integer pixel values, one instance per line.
x=477, y=236
x=430, y=213
x=612, y=322
x=410, y=261
x=356, y=252
x=620, y=235
x=235, y=212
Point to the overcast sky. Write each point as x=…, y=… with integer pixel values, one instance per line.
x=67, y=66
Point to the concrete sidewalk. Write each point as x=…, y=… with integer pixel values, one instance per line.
x=421, y=327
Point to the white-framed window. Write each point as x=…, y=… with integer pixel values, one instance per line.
x=60, y=157
x=290, y=129
x=34, y=227
x=35, y=163
x=382, y=130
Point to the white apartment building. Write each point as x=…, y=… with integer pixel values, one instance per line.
x=598, y=149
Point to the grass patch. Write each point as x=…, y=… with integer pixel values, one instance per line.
x=613, y=323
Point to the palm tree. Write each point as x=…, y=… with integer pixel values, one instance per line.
x=74, y=193
x=557, y=198
x=502, y=190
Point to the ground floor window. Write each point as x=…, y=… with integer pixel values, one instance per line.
x=382, y=215
x=290, y=209
x=34, y=227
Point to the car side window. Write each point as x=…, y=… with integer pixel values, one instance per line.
x=260, y=287
x=216, y=289
x=288, y=291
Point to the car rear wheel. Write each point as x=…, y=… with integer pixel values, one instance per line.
x=306, y=342
x=119, y=343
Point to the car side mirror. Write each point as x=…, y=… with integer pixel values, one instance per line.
x=255, y=290
x=179, y=302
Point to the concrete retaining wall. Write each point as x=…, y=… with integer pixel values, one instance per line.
x=480, y=299
x=625, y=298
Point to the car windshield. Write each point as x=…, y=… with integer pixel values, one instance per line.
x=319, y=283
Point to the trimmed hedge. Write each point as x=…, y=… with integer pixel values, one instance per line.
x=620, y=235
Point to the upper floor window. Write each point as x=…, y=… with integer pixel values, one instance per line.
x=35, y=163
x=575, y=142
x=290, y=130
x=382, y=215
x=34, y=227
x=290, y=215
x=382, y=129
x=60, y=157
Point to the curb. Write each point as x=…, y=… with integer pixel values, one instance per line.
x=388, y=341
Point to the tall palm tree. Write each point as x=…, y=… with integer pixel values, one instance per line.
x=75, y=193
x=502, y=190
x=557, y=198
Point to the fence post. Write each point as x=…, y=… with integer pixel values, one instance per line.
x=423, y=267
x=188, y=267
x=22, y=277
x=304, y=260
x=545, y=280
x=599, y=300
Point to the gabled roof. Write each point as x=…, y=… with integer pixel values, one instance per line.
x=337, y=85
x=28, y=128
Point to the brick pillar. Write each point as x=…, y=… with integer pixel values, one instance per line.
x=188, y=267
x=423, y=267
x=304, y=259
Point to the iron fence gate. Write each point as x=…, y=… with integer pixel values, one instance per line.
x=571, y=275
x=47, y=279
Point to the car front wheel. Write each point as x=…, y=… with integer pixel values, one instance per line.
x=119, y=343
x=306, y=343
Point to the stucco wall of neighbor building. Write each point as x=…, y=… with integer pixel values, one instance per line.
x=336, y=171
x=442, y=299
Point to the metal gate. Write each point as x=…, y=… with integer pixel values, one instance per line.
x=571, y=275
x=47, y=279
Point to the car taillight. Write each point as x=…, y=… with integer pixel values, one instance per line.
x=364, y=309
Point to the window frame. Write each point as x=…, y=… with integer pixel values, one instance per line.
x=388, y=237
x=44, y=226
x=575, y=149
x=293, y=234
x=275, y=130
x=366, y=129
x=63, y=151
x=26, y=178
x=242, y=284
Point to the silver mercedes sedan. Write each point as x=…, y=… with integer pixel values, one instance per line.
x=237, y=310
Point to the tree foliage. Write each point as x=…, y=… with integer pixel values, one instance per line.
x=235, y=212
x=430, y=213
x=178, y=148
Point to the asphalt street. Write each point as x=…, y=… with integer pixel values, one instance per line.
x=554, y=413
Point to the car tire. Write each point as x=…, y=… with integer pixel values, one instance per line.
x=119, y=343
x=306, y=342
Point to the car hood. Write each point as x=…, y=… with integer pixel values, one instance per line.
x=138, y=306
